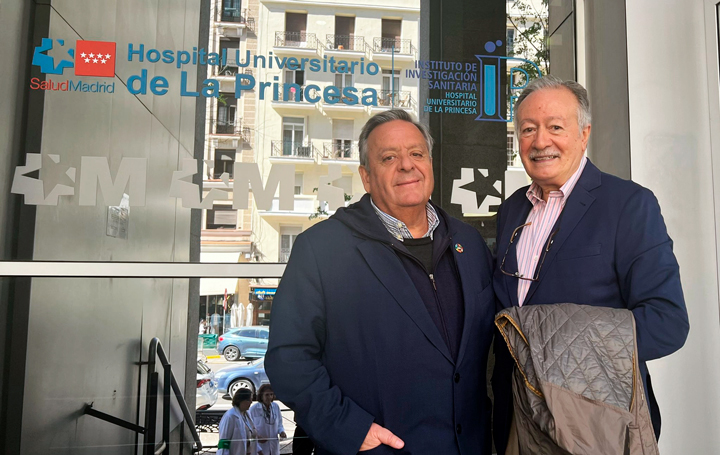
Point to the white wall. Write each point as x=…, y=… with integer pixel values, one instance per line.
x=671, y=154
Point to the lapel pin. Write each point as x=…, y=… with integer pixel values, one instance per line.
x=458, y=248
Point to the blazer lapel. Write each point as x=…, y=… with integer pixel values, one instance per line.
x=389, y=270
x=516, y=217
x=576, y=206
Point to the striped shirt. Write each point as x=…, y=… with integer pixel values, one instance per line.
x=542, y=218
x=399, y=230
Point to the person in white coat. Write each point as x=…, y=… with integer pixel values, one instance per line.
x=238, y=435
x=268, y=421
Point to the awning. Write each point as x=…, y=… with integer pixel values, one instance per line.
x=217, y=286
x=232, y=257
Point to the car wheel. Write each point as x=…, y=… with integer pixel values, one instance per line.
x=231, y=353
x=240, y=384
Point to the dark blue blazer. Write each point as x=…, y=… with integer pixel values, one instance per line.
x=351, y=343
x=612, y=249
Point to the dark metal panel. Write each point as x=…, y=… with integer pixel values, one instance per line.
x=459, y=30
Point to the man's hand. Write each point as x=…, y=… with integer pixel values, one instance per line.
x=283, y=435
x=378, y=435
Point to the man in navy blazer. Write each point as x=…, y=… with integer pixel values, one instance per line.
x=582, y=236
x=382, y=322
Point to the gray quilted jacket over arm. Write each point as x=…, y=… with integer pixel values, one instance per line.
x=576, y=388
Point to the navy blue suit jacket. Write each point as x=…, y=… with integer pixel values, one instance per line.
x=612, y=249
x=351, y=343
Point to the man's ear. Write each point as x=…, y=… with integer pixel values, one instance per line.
x=585, y=134
x=365, y=177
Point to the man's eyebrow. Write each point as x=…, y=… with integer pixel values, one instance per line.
x=387, y=149
x=557, y=117
x=532, y=120
x=413, y=146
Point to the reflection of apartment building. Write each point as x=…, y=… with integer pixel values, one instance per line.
x=305, y=129
x=226, y=234
x=300, y=126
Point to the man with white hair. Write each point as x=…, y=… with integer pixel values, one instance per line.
x=582, y=236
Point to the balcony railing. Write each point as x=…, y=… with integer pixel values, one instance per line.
x=346, y=42
x=226, y=127
x=395, y=98
x=295, y=39
x=292, y=96
x=336, y=150
x=290, y=149
x=236, y=15
x=402, y=46
x=227, y=70
x=231, y=128
x=231, y=69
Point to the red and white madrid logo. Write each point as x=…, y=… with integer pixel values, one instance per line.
x=89, y=58
x=95, y=58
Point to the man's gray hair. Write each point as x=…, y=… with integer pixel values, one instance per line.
x=384, y=117
x=548, y=82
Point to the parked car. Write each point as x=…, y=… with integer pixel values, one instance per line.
x=248, y=342
x=207, y=391
x=250, y=375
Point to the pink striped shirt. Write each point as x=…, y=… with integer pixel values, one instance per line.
x=542, y=218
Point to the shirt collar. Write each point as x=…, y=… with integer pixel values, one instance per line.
x=534, y=193
x=399, y=230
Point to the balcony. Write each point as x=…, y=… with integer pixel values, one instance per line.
x=235, y=16
x=226, y=127
x=292, y=100
x=297, y=43
x=345, y=43
x=402, y=99
x=224, y=240
x=303, y=207
x=343, y=105
x=336, y=150
x=387, y=48
x=223, y=129
x=292, y=150
x=386, y=45
x=229, y=71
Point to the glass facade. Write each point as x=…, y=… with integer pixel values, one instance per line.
x=159, y=160
x=163, y=159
